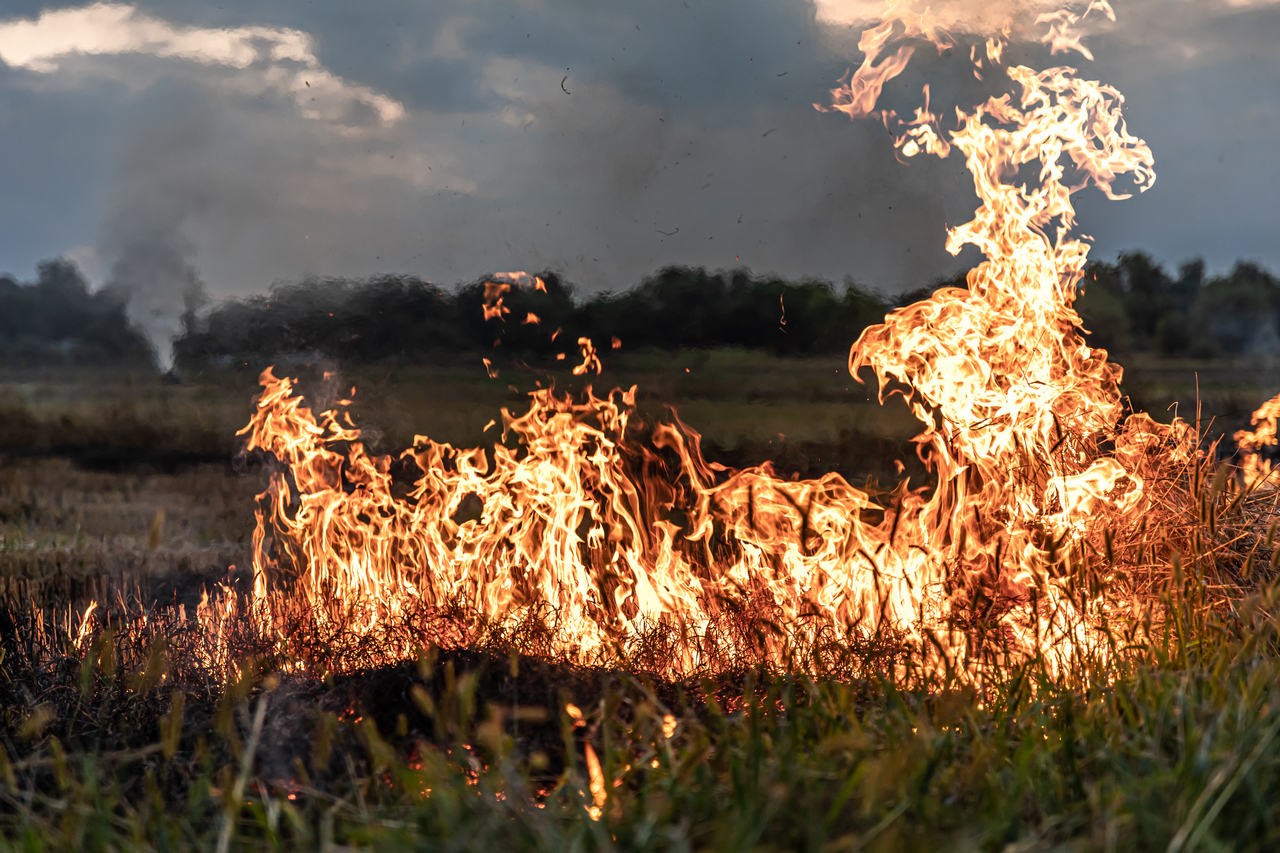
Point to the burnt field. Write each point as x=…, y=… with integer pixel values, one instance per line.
x=136, y=495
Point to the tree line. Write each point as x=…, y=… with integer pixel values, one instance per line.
x=1135, y=305
x=57, y=320
x=1131, y=305
x=405, y=319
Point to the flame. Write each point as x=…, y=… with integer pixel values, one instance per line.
x=860, y=90
x=493, y=293
x=500, y=285
x=1065, y=30
x=86, y=625
x=1257, y=471
x=599, y=793
x=1017, y=408
x=600, y=538
x=590, y=361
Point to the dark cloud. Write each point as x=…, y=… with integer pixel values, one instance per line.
x=1201, y=88
x=665, y=129
x=683, y=114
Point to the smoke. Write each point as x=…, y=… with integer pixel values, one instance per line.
x=186, y=160
x=157, y=193
x=162, y=287
x=604, y=141
x=606, y=144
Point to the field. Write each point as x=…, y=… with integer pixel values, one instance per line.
x=129, y=491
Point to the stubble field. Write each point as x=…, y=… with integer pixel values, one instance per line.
x=124, y=489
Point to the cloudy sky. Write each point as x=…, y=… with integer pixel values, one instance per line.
x=248, y=142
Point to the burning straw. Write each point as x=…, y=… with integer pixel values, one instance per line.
x=1063, y=543
x=1052, y=523
x=603, y=541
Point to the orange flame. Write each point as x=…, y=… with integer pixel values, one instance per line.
x=1258, y=472
x=606, y=533
x=493, y=293
x=86, y=624
x=1065, y=29
x=599, y=793
x=590, y=361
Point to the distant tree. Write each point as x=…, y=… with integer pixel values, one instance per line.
x=1101, y=304
x=405, y=319
x=57, y=320
x=1131, y=305
x=1240, y=311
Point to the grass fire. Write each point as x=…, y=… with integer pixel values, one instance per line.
x=1009, y=610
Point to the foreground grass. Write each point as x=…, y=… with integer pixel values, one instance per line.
x=1175, y=750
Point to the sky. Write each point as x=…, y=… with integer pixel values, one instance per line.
x=236, y=144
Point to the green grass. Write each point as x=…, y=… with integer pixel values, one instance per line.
x=1175, y=749
x=731, y=394
x=1227, y=390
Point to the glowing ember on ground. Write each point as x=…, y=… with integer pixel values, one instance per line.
x=600, y=540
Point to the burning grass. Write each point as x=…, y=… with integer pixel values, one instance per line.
x=136, y=731
x=122, y=735
x=599, y=542
x=118, y=741
x=1064, y=636
x=125, y=736
x=845, y=743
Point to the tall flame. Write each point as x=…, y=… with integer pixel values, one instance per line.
x=600, y=537
x=1017, y=407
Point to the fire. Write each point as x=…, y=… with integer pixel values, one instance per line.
x=1257, y=471
x=599, y=539
x=577, y=527
x=599, y=794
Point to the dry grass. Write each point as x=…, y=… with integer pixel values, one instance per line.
x=123, y=740
x=68, y=535
x=1226, y=390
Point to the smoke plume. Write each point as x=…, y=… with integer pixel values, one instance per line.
x=157, y=192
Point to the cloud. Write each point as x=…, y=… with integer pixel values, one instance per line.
x=283, y=60
x=487, y=161
x=442, y=143
x=161, y=187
